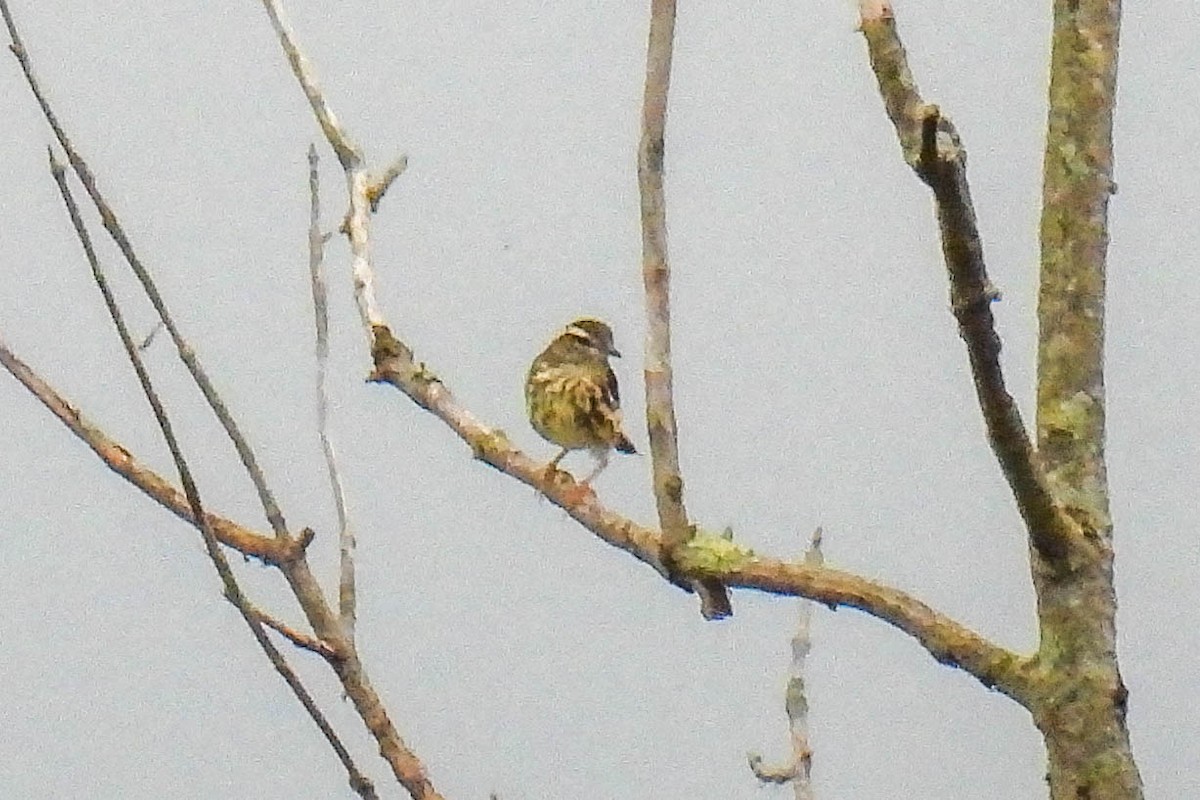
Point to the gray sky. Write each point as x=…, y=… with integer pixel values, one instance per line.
x=819, y=377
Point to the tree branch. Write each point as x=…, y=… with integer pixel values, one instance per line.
x=347, y=594
x=406, y=767
x=364, y=191
x=153, y=485
x=349, y=154
x=286, y=554
x=1078, y=181
x=948, y=641
x=798, y=770
x=656, y=275
x=233, y=593
x=304, y=641
x=932, y=148
x=111, y=224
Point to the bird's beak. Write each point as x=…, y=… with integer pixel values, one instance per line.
x=612, y=351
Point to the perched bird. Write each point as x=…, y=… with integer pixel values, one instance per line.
x=572, y=396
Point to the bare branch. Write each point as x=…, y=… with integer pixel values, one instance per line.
x=932, y=148
x=948, y=641
x=287, y=554
x=349, y=154
x=405, y=766
x=302, y=640
x=1078, y=181
x=364, y=194
x=656, y=275
x=233, y=592
x=316, y=271
x=798, y=770
x=149, y=340
x=394, y=365
x=378, y=187
x=117, y=233
x=121, y=461
x=326, y=624
x=364, y=191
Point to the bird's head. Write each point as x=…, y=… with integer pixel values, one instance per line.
x=592, y=334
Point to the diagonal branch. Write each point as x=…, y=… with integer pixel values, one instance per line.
x=656, y=275
x=932, y=148
x=233, y=593
x=153, y=485
x=304, y=641
x=947, y=640
x=365, y=192
x=117, y=233
x=287, y=554
x=406, y=767
x=349, y=154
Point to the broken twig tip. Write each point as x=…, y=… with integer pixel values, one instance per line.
x=873, y=10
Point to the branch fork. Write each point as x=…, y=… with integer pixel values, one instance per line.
x=933, y=149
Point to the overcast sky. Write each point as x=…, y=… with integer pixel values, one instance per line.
x=820, y=381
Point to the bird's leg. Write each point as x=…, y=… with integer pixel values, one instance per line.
x=552, y=467
x=601, y=457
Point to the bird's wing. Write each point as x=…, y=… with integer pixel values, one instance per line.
x=612, y=394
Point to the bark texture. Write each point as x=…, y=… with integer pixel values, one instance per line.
x=1080, y=701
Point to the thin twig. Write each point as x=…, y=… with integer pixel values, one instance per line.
x=349, y=154
x=797, y=690
x=379, y=186
x=798, y=769
x=117, y=233
x=149, y=340
x=407, y=769
x=316, y=270
x=364, y=192
x=656, y=276
x=302, y=640
x=932, y=148
x=233, y=593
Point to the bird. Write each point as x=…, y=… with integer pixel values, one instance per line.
x=572, y=397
